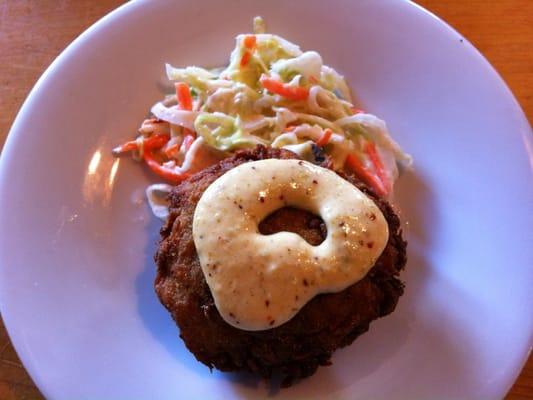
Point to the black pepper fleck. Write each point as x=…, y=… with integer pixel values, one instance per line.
x=240, y=206
x=281, y=197
x=232, y=315
x=370, y=245
x=318, y=153
x=272, y=322
x=305, y=282
x=267, y=303
x=315, y=181
x=300, y=163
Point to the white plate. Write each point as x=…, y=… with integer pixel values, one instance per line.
x=77, y=241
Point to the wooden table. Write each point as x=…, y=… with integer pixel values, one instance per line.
x=33, y=33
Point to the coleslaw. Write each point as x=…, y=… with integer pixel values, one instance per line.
x=271, y=93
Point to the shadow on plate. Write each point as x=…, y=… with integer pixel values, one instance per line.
x=154, y=315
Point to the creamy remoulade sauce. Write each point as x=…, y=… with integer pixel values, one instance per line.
x=260, y=281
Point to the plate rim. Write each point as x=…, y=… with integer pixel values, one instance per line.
x=7, y=153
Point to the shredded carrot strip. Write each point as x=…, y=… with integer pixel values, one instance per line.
x=183, y=94
x=283, y=89
x=355, y=164
x=153, y=142
x=171, y=149
x=325, y=138
x=249, y=46
x=156, y=141
x=250, y=41
x=370, y=149
x=357, y=111
x=165, y=173
x=245, y=58
x=124, y=148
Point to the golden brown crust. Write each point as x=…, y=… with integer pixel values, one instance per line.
x=298, y=347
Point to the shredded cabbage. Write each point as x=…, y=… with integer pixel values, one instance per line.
x=332, y=81
x=157, y=195
x=224, y=132
x=374, y=129
x=308, y=64
x=272, y=93
x=174, y=116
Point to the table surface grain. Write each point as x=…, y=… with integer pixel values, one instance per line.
x=33, y=33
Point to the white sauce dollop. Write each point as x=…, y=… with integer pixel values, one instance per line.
x=260, y=281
